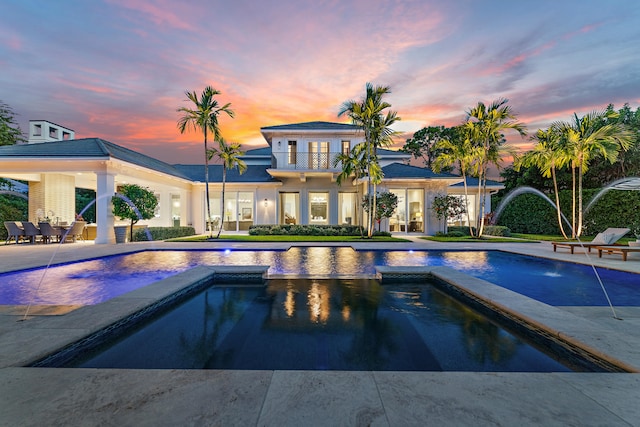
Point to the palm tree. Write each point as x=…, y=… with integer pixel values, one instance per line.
x=229, y=154
x=457, y=150
x=368, y=115
x=485, y=126
x=204, y=117
x=353, y=166
x=586, y=137
x=547, y=155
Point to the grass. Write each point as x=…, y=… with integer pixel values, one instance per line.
x=248, y=238
x=483, y=239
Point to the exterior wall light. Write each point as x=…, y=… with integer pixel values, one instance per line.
x=266, y=203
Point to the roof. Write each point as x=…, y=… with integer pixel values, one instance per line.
x=93, y=148
x=254, y=173
x=258, y=152
x=401, y=170
x=306, y=126
x=395, y=153
x=474, y=181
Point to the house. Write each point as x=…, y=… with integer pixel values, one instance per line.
x=293, y=180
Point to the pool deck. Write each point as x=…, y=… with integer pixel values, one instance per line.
x=49, y=396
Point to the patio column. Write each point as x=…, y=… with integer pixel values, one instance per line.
x=106, y=188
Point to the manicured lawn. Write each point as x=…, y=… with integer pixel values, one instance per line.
x=247, y=238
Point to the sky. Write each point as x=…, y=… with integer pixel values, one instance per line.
x=119, y=69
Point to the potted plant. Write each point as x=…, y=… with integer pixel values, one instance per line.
x=635, y=229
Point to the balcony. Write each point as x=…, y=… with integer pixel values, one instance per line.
x=306, y=161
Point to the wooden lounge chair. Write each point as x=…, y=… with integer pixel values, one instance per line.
x=619, y=249
x=31, y=231
x=13, y=231
x=607, y=238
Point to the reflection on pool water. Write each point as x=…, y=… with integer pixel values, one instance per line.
x=90, y=282
x=335, y=324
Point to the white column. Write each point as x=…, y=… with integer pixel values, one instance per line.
x=106, y=188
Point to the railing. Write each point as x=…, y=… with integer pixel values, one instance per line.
x=306, y=160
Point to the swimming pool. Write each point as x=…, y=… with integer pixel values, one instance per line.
x=340, y=324
x=90, y=282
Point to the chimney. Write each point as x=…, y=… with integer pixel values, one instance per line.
x=45, y=131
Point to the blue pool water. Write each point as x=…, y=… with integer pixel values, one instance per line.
x=322, y=325
x=91, y=282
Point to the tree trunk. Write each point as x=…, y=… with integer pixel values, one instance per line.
x=224, y=181
x=206, y=183
x=555, y=188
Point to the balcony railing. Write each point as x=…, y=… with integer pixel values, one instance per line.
x=305, y=160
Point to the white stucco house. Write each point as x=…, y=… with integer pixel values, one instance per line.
x=291, y=180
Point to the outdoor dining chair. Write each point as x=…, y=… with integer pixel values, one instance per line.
x=13, y=231
x=30, y=231
x=48, y=232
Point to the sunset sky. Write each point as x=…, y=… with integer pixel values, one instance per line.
x=118, y=69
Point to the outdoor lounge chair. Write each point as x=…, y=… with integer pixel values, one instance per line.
x=31, y=231
x=13, y=231
x=48, y=231
x=607, y=238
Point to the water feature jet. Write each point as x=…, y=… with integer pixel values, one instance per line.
x=523, y=190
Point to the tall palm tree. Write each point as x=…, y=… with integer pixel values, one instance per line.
x=368, y=115
x=589, y=136
x=485, y=126
x=547, y=155
x=457, y=150
x=353, y=166
x=229, y=154
x=204, y=117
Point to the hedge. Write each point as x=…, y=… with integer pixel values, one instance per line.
x=531, y=214
x=306, y=230
x=162, y=233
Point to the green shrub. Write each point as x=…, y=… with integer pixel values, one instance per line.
x=455, y=234
x=306, y=230
x=460, y=229
x=162, y=233
x=497, y=230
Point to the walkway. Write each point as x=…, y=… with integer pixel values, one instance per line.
x=43, y=396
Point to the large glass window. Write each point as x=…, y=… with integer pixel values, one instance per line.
x=318, y=208
x=416, y=210
x=238, y=210
x=245, y=210
x=289, y=208
x=347, y=205
x=215, y=201
x=175, y=210
x=409, y=214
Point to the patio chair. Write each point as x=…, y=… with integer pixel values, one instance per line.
x=608, y=237
x=48, y=232
x=31, y=231
x=75, y=232
x=13, y=231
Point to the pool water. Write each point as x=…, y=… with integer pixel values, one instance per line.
x=335, y=324
x=90, y=282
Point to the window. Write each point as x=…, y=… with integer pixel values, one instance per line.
x=292, y=152
x=37, y=130
x=346, y=147
x=319, y=155
x=347, y=208
x=289, y=208
x=318, y=208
